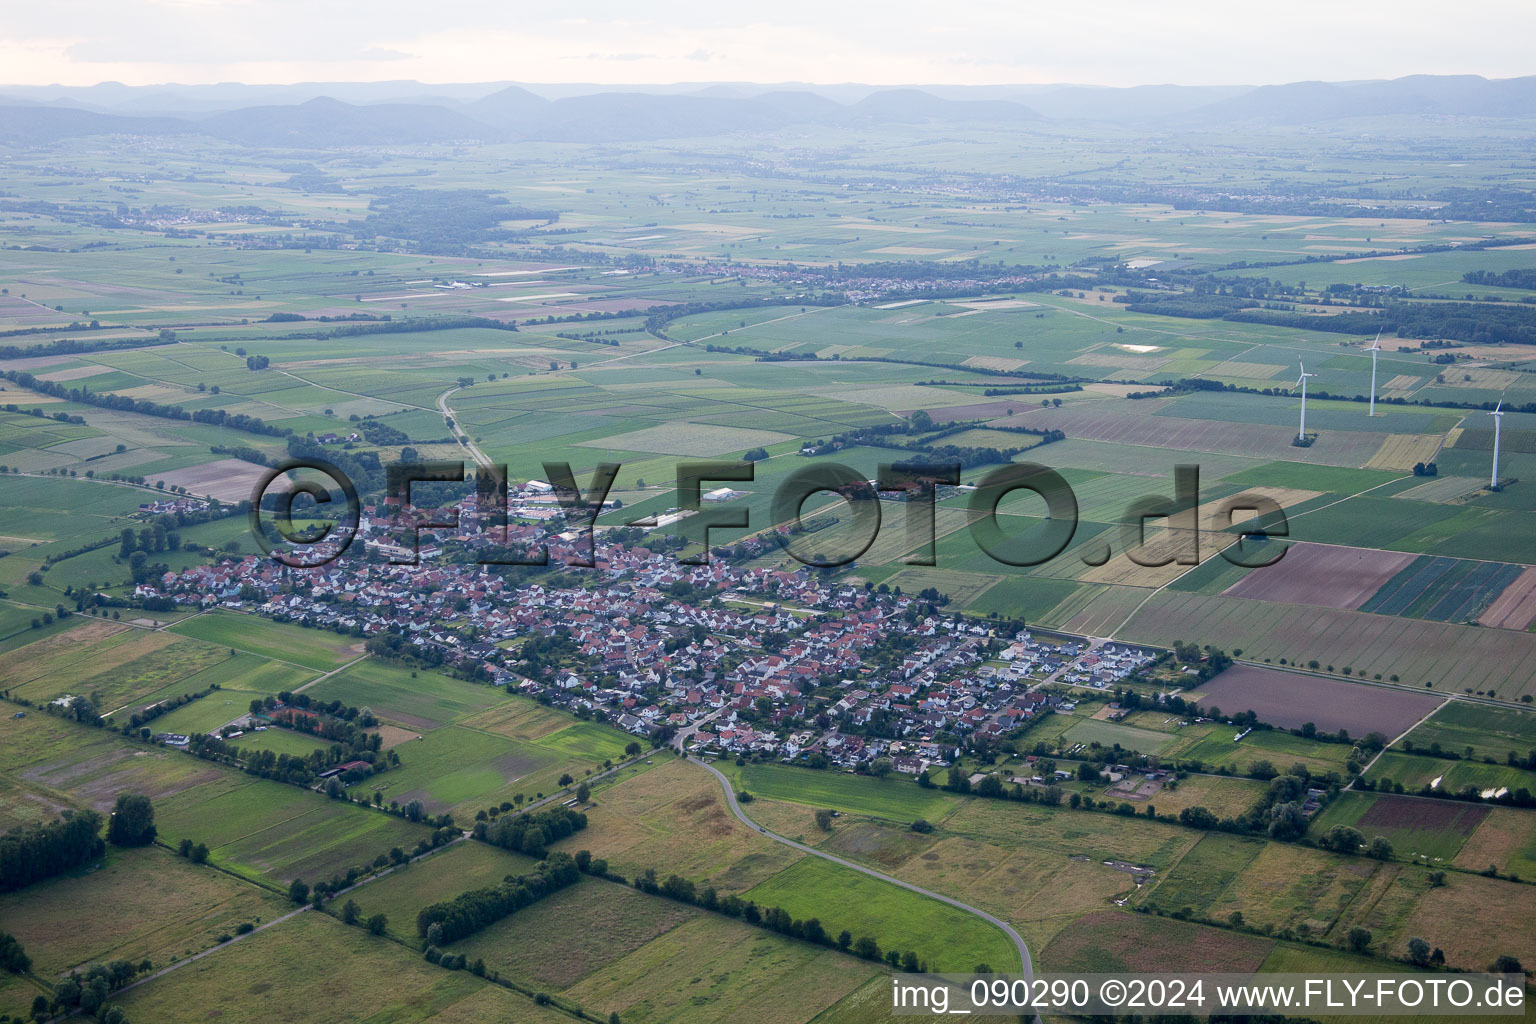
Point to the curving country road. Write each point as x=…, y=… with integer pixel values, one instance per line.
x=730, y=799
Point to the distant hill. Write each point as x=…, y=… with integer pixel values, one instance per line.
x=361, y=116
x=1420, y=95
x=328, y=122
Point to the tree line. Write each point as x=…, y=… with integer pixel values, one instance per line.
x=532, y=833
x=469, y=912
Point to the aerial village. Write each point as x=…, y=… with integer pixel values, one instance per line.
x=742, y=659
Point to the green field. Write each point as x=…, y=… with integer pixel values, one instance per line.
x=141, y=903
x=276, y=974
x=947, y=938
x=416, y=699
x=1415, y=772
x=1486, y=731
x=896, y=798
x=402, y=893
x=309, y=648
x=274, y=833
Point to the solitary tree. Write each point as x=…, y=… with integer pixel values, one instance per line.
x=133, y=821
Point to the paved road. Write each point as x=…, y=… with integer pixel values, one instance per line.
x=481, y=459
x=730, y=798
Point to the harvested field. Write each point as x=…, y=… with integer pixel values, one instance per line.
x=1417, y=651
x=689, y=439
x=713, y=969
x=1402, y=451
x=1115, y=941
x=1291, y=699
x=674, y=815
x=1515, y=608
x=1506, y=839
x=1321, y=574
x=1442, y=489
x=226, y=479
x=1255, y=440
x=1406, y=812
x=561, y=940
x=1476, y=919
x=1164, y=540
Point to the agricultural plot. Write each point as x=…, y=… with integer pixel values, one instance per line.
x=143, y=903
x=456, y=768
x=1202, y=874
x=1142, y=425
x=575, y=933
x=1290, y=700
x=1217, y=746
x=895, y=798
x=421, y=699
x=1442, y=589
x=1285, y=886
x=1506, y=840
x=1515, y=607
x=1485, y=730
x=267, y=831
x=946, y=938
x=673, y=816
x=310, y=648
x=1429, y=830
x=1414, y=772
x=52, y=761
x=369, y=976
x=1416, y=651
x=714, y=970
x=1334, y=577
x=1114, y=941
x=444, y=874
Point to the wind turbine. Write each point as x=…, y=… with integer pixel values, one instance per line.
x=1374, y=349
x=1301, y=434
x=1498, y=420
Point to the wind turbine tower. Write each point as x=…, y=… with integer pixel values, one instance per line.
x=1498, y=420
x=1301, y=434
x=1375, y=349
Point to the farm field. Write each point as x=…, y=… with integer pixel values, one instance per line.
x=715, y=970
x=143, y=903
x=673, y=815
x=1443, y=654
x=1433, y=831
x=310, y=648
x=422, y=700
x=946, y=938
x=1336, y=577
x=576, y=932
x=1415, y=772
x=1289, y=700
x=369, y=975
x=1114, y=941
x=442, y=875
x=1488, y=730
x=270, y=832
x=1506, y=839
x=896, y=798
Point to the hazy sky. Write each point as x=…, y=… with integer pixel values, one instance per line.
x=1109, y=42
